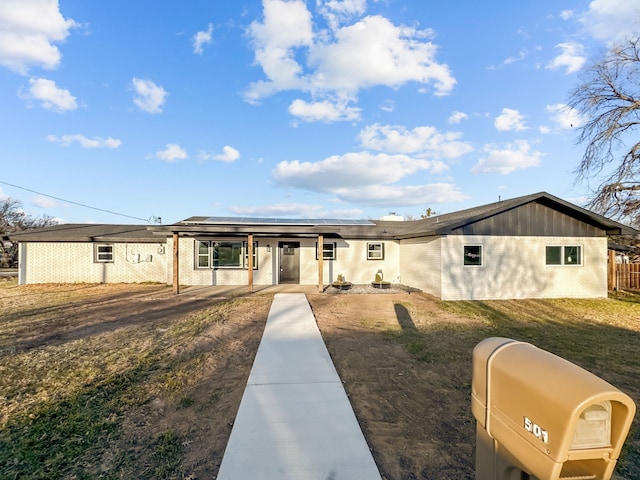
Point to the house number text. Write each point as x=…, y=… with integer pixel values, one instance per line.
x=536, y=430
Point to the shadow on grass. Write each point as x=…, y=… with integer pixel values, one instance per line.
x=608, y=350
x=82, y=319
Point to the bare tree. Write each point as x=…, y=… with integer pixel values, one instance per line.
x=14, y=219
x=609, y=98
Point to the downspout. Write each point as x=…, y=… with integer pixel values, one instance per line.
x=22, y=263
x=176, y=262
x=250, y=261
x=320, y=263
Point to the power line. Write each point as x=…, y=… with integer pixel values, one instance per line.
x=81, y=204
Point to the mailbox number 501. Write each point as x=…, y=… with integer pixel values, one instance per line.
x=536, y=430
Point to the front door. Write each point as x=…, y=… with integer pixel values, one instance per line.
x=289, y=262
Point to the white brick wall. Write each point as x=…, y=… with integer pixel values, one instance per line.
x=74, y=263
x=514, y=267
x=421, y=264
x=190, y=275
x=351, y=261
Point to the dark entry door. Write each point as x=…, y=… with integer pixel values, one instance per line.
x=289, y=262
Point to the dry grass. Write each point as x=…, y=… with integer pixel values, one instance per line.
x=66, y=403
x=108, y=381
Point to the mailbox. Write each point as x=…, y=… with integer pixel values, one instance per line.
x=540, y=416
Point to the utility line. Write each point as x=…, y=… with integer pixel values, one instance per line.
x=76, y=203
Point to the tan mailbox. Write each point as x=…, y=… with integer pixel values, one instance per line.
x=540, y=416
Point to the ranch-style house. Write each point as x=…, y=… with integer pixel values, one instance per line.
x=535, y=246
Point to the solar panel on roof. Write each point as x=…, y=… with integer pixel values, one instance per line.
x=279, y=221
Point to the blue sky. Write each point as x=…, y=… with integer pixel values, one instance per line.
x=291, y=108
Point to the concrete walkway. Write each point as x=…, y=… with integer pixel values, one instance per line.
x=295, y=420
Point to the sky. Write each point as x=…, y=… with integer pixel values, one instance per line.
x=151, y=111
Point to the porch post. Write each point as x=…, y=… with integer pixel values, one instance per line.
x=250, y=261
x=176, y=261
x=320, y=263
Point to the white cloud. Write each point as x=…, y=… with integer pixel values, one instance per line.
x=281, y=210
x=571, y=58
x=457, y=117
x=351, y=170
x=368, y=179
x=373, y=52
x=564, y=116
x=29, y=30
x=296, y=210
x=339, y=62
x=421, y=140
x=46, y=202
x=287, y=26
x=50, y=96
x=148, y=97
x=522, y=54
x=171, y=153
x=515, y=156
x=202, y=38
x=510, y=120
x=388, y=106
x=567, y=14
x=228, y=155
x=84, y=142
x=324, y=111
x=402, y=195
x=612, y=21
x=338, y=11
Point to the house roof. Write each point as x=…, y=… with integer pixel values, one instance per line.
x=277, y=227
x=447, y=223
x=71, y=232
x=436, y=225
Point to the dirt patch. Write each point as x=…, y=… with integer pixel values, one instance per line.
x=414, y=413
x=201, y=411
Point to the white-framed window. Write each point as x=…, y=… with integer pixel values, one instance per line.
x=214, y=254
x=103, y=253
x=563, y=255
x=203, y=254
x=375, y=251
x=254, y=256
x=328, y=251
x=472, y=255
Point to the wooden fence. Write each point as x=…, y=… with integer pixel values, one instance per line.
x=623, y=275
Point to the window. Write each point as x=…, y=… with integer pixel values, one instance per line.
x=573, y=255
x=211, y=254
x=103, y=253
x=203, y=260
x=564, y=255
x=227, y=254
x=554, y=255
x=375, y=251
x=328, y=251
x=254, y=256
x=473, y=255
